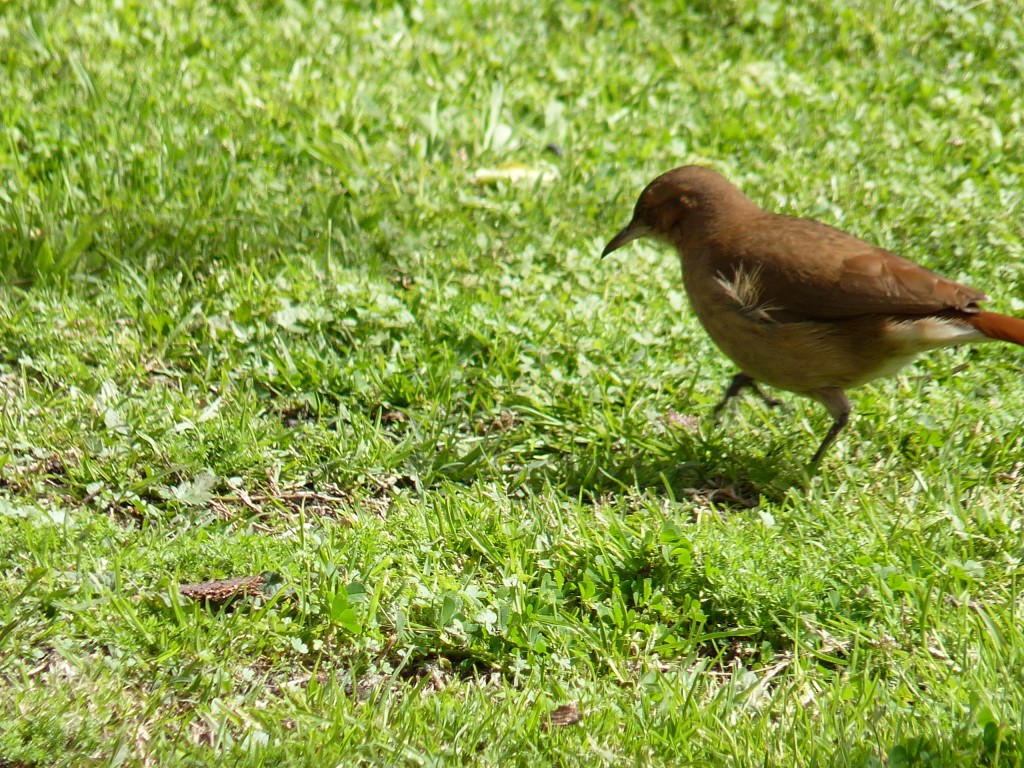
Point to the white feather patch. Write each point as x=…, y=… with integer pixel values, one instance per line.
x=744, y=289
x=925, y=333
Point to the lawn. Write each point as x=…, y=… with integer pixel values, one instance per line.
x=309, y=294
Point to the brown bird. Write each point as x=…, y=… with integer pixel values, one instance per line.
x=800, y=305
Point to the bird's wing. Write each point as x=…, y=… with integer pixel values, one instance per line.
x=809, y=270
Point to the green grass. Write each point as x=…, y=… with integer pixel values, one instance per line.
x=261, y=313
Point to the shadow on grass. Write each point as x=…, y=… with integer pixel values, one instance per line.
x=677, y=463
x=524, y=448
x=693, y=468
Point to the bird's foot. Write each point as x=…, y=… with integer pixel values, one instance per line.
x=738, y=383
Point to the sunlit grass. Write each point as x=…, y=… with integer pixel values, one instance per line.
x=269, y=306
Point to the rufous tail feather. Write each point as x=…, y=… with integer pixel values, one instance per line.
x=995, y=326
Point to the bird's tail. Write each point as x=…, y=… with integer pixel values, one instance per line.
x=996, y=326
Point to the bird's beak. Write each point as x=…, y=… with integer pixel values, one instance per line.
x=632, y=231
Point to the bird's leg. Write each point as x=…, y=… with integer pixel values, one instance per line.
x=771, y=402
x=740, y=382
x=837, y=404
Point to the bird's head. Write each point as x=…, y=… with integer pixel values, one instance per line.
x=680, y=205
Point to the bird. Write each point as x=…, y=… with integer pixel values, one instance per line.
x=797, y=304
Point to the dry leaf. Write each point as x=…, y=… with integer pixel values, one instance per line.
x=566, y=714
x=515, y=173
x=223, y=590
